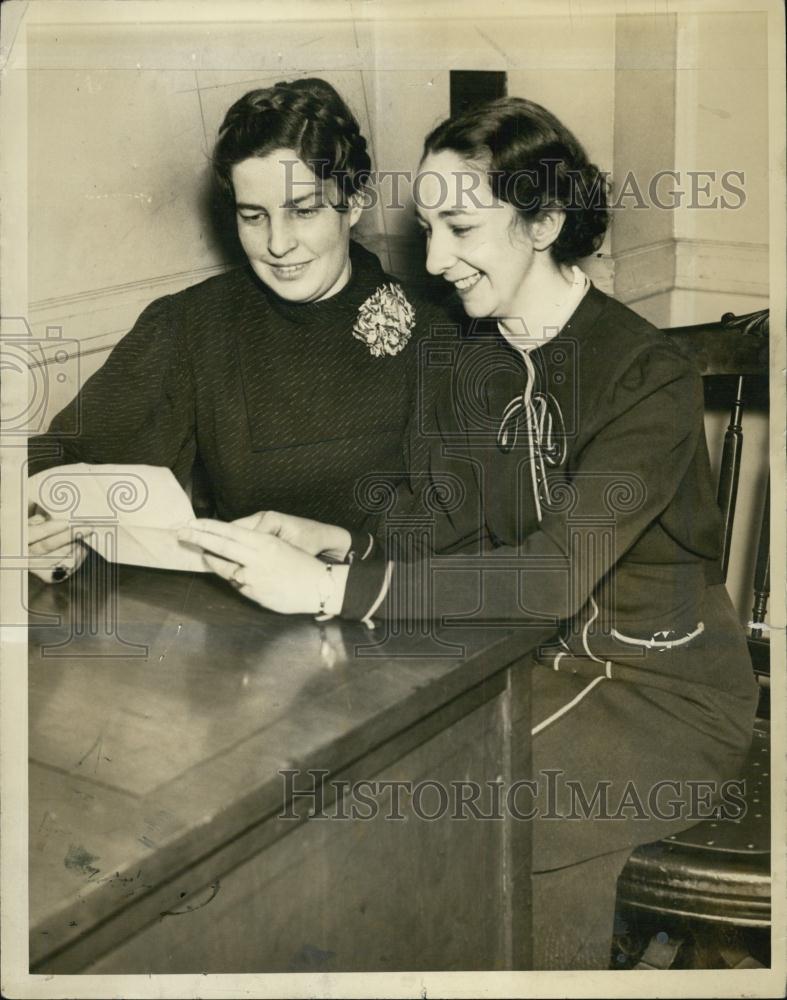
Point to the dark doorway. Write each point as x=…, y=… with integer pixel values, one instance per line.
x=471, y=87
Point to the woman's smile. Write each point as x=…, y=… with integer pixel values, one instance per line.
x=467, y=282
x=288, y=272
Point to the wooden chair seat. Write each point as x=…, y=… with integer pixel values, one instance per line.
x=719, y=870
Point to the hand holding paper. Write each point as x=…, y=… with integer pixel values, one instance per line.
x=134, y=512
x=53, y=549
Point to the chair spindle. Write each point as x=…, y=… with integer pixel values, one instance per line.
x=762, y=570
x=729, y=472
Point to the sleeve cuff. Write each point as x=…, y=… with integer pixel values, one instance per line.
x=367, y=587
x=362, y=546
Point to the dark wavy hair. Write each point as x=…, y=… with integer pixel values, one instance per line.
x=533, y=162
x=307, y=116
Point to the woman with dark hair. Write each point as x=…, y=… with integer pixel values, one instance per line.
x=284, y=380
x=568, y=466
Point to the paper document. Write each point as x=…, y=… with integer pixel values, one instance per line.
x=134, y=512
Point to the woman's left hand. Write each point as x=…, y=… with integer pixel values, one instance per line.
x=268, y=570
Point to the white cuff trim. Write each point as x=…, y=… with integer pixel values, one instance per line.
x=367, y=619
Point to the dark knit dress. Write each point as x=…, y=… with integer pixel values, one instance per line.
x=278, y=404
x=592, y=508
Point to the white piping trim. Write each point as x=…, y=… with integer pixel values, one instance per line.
x=367, y=619
x=369, y=547
x=511, y=410
x=608, y=669
x=557, y=660
x=653, y=644
x=533, y=443
x=524, y=405
x=566, y=708
x=588, y=623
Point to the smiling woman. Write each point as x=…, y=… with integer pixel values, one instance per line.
x=282, y=382
x=295, y=245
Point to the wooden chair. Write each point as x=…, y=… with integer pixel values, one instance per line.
x=707, y=886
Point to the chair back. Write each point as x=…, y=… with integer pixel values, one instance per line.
x=732, y=356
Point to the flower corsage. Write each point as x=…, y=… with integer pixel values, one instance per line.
x=385, y=321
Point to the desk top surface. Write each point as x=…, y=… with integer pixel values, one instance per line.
x=158, y=738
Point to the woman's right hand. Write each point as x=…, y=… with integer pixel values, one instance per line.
x=312, y=537
x=54, y=539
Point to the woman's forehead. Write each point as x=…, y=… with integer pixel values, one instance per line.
x=446, y=183
x=280, y=174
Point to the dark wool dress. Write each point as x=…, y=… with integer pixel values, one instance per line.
x=279, y=405
x=577, y=480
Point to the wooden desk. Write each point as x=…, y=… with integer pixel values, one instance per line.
x=155, y=793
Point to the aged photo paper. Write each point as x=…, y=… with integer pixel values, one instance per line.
x=160, y=837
